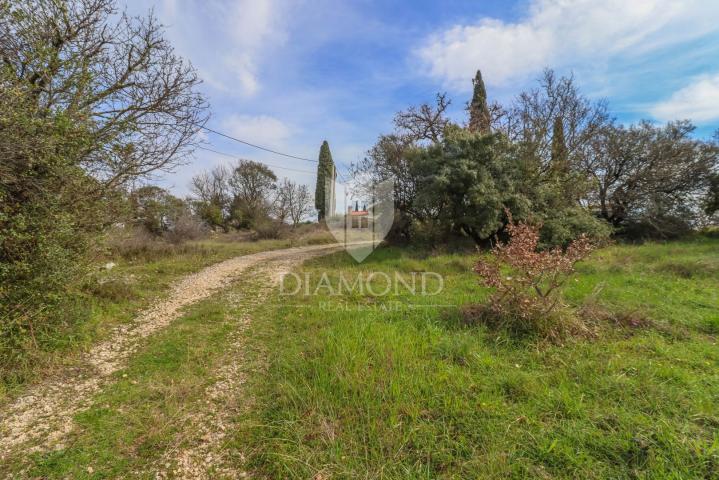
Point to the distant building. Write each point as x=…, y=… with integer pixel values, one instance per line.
x=359, y=219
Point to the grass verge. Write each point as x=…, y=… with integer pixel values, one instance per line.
x=398, y=387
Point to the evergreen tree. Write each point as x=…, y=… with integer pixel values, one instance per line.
x=479, y=119
x=560, y=153
x=711, y=203
x=325, y=180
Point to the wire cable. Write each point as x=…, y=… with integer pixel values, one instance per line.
x=254, y=145
x=258, y=161
x=257, y=146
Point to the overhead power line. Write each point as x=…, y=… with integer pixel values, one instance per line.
x=257, y=146
x=244, y=142
x=264, y=163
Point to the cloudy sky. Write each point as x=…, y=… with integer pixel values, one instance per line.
x=288, y=74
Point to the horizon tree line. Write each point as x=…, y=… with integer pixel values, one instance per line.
x=551, y=156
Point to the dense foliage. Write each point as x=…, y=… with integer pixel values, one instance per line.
x=479, y=116
x=551, y=156
x=89, y=100
x=466, y=181
x=48, y=210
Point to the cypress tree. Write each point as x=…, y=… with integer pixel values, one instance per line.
x=325, y=180
x=479, y=119
x=560, y=154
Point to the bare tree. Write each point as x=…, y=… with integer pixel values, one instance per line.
x=283, y=200
x=645, y=172
x=426, y=122
x=213, y=186
x=301, y=207
x=531, y=119
x=388, y=159
x=293, y=201
x=212, y=198
x=113, y=73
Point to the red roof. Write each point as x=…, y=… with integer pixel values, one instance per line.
x=359, y=213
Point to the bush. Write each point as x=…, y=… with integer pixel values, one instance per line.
x=527, y=282
x=47, y=216
x=311, y=234
x=469, y=180
x=561, y=226
x=186, y=227
x=270, y=229
x=137, y=244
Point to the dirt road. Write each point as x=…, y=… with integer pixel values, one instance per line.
x=43, y=416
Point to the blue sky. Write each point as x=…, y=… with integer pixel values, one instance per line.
x=288, y=74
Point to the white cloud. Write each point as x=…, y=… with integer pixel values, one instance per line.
x=227, y=40
x=252, y=26
x=698, y=101
x=263, y=130
x=563, y=32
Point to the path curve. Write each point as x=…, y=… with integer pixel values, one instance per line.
x=42, y=417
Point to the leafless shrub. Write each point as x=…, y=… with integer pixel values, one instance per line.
x=270, y=229
x=292, y=202
x=527, y=282
x=139, y=245
x=186, y=227
x=232, y=236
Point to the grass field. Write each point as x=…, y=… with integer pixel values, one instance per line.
x=357, y=386
x=410, y=392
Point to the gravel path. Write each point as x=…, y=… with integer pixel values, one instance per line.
x=199, y=453
x=43, y=416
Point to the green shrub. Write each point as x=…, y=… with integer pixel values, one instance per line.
x=48, y=216
x=560, y=227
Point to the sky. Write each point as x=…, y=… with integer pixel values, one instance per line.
x=288, y=74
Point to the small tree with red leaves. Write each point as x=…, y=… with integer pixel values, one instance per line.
x=527, y=281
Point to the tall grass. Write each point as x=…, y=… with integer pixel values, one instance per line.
x=413, y=392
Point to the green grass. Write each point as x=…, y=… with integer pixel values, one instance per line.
x=357, y=386
x=106, y=298
x=409, y=392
